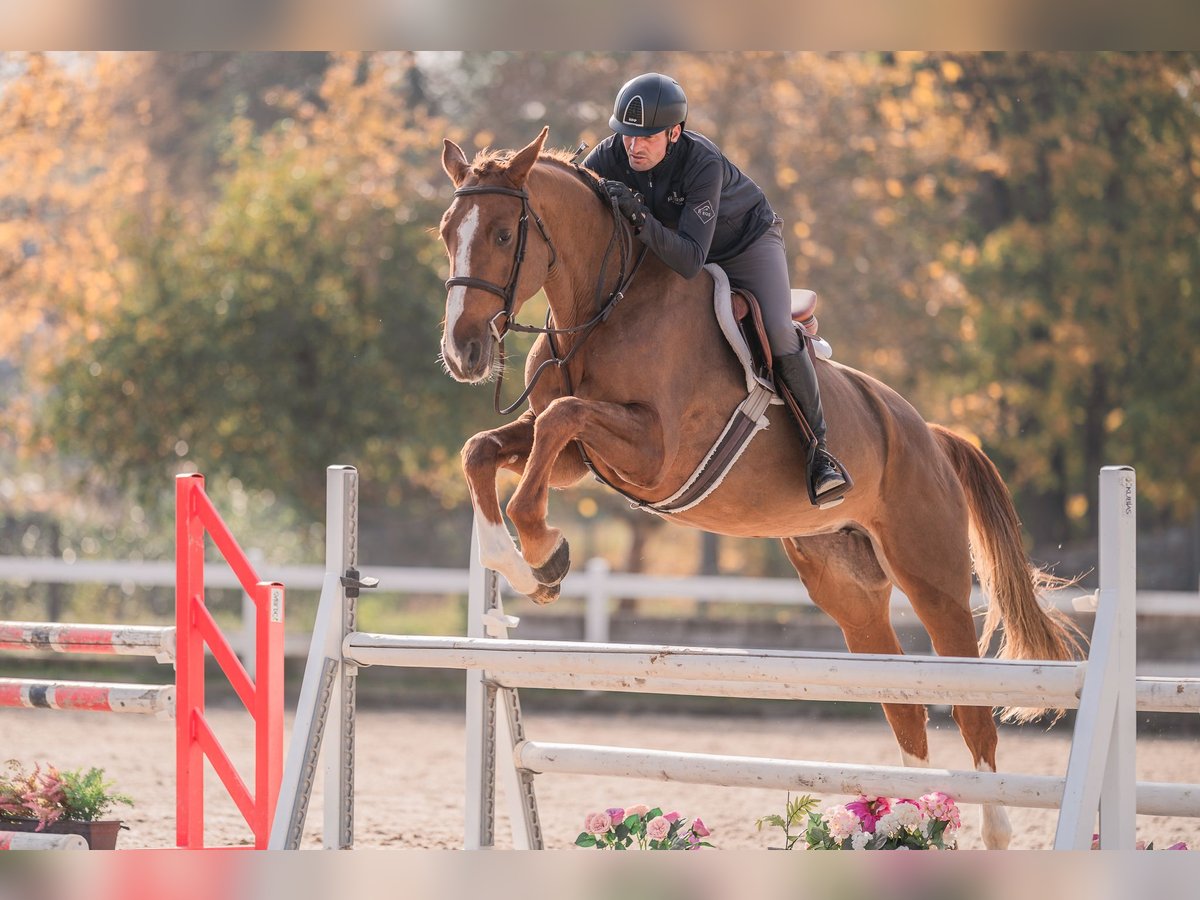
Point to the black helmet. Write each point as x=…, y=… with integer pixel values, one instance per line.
x=647, y=105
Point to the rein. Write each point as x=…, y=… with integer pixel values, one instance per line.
x=508, y=292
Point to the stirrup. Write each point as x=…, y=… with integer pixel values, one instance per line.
x=830, y=497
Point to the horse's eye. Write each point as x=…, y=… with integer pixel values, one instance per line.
x=504, y=236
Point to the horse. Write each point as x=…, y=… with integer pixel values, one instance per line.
x=636, y=391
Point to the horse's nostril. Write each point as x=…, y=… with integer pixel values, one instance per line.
x=474, y=351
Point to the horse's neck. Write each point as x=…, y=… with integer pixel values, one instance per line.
x=581, y=230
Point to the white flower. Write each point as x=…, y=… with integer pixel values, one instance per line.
x=888, y=826
x=859, y=841
x=908, y=816
x=842, y=823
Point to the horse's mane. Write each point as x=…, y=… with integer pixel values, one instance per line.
x=495, y=162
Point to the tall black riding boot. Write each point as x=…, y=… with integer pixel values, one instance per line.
x=796, y=370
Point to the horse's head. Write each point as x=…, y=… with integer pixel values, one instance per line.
x=495, y=263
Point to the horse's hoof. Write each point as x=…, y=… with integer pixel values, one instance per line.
x=555, y=569
x=545, y=594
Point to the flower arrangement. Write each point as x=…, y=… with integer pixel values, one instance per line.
x=648, y=829
x=50, y=795
x=870, y=823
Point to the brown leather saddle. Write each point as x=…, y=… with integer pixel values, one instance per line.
x=749, y=318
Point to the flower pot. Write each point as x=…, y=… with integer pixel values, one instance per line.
x=100, y=835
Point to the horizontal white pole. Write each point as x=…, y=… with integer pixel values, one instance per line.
x=1153, y=694
x=1038, y=791
x=38, y=840
x=910, y=678
x=49, y=570
x=745, y=690
x=407, y=580
x=1033, y=791
x=1168, y=694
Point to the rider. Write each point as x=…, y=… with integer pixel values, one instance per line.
x=692, y=206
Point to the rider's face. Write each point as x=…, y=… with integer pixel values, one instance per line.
x=647, y=152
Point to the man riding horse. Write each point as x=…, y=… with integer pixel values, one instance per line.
x=624, y=403
x=690, y=205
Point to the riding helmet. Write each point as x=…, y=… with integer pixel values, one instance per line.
x=647, y=105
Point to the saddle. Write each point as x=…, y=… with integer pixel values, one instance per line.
x=747, y=332
x=741, y=323
x=752, y=333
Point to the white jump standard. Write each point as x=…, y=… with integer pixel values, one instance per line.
x=1103, y=688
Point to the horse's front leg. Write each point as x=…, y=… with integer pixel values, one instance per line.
x=627, y=437
x=482, y=457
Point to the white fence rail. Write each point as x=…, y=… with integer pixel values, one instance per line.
x=597, y=584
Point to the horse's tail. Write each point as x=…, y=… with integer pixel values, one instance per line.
x=1010, y=581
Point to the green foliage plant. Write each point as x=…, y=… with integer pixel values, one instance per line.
x=50, y=795
x=796, y=813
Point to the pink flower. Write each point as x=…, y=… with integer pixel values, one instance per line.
x=597, y=823
x=658, y=828
x=700, y=830
x=1178, y=846
x=869, y=810
x=616, y=814
x=671, y=816
x=942, y=807
x=638, y=809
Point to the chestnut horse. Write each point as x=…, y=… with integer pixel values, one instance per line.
x=645, y=389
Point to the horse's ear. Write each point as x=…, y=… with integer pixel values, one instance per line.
x=519, y=166
x=454, y=161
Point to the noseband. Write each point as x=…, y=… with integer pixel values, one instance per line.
x=508, y=293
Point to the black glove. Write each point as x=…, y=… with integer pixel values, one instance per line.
x=628, y=203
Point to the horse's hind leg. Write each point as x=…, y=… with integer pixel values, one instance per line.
x=845, y=580
x=938, y=585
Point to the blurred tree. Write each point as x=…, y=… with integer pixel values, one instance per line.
x=203, y=254
x=294, y=323
x=184, y=103
x=1078, y=345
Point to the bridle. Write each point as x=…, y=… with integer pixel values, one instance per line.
x=508, y=293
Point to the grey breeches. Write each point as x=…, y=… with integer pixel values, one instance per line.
x=762, y=269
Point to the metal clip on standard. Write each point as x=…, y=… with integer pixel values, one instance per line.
x=353, y=583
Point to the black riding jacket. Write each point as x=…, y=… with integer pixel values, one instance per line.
x=702, y=207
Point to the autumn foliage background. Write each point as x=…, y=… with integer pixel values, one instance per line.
x=227, y=262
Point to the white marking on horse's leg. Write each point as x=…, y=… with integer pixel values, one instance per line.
x=457, y=299
x=912, y=761
x=994, y=827
x=498, y=552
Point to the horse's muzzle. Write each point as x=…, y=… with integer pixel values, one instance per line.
x=471, y=361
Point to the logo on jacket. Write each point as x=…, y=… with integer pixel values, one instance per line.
x=705, y=211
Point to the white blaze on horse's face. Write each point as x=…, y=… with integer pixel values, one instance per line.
x=457, y=297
